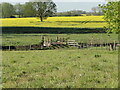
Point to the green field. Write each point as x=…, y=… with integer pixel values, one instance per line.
x=29, y=39
x=94, y=67
x=87, y=68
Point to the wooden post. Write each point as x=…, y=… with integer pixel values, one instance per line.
x=51, y=40
x=63, y=40
x=48, y=40
x=66, y=41
x=60, y=40
x=41, y=47
x=9, y=48
x=92, y=42
x=57, y=39
x=87, y=45
x=100, y=45
x=96, y=46
x=42, y=40
x=91, y=45
x=106, y=45
x=111, y=47
x=114, y=47
x=74, y=43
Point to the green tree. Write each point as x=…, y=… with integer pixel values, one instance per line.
x=111, y=15
x=0, y=11
x=29, y=10
x=44, y=8
x=96, y=11
x=7, y=10
x=19, y=9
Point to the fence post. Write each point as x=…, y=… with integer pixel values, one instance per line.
x=48, y=40
x=9, y=48
x=66, y=41
x=114, y=45
x=63, y=40
x=57, y=38
x=30, y=47
x=106, y=45
x=111, y=47
x=96, y=46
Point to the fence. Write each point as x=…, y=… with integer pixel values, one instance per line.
x=61, y=43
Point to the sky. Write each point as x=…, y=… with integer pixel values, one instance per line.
x=56, y=0
x=67, y=5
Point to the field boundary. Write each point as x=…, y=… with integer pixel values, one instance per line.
x=51, y=30
x=58, y=45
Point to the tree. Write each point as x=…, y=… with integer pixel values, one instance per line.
x=97, y=11
x=94, y=9
x=44, y=8
x=19, y=9
x=71, y=13
x=0, y=11
x=29, y=10
x=111, y=15
x=7, y=10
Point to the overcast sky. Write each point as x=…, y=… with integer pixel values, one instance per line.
x=56, y=0
x=67, y=5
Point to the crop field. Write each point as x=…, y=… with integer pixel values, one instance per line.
x=64, y=22
x=60, y=69
x=29, y=39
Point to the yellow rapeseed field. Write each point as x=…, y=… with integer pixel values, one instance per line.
x=76, y=22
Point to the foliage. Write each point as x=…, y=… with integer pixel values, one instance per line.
x=44, y=9
x=29, y=10
x=111, y=15
x=7, y=10
x=97, y=11
x=71, y=13
x=33, y=8
x=0, y=10
x=18, y=9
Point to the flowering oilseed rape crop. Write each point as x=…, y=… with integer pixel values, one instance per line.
x=69, y=22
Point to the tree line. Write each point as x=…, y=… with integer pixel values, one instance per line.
x=41, y=9
x=29, y=9
x=95, y=11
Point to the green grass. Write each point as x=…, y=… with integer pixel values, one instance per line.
x=28, y=39
x=86, y=68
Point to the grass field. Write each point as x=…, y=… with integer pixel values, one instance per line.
x=60, y=68
x=29, y=39
x=74, y=22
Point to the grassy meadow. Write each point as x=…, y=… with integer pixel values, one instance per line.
x=73, y=68
x=64, y=22
x=29, y=39
x=59, y=68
